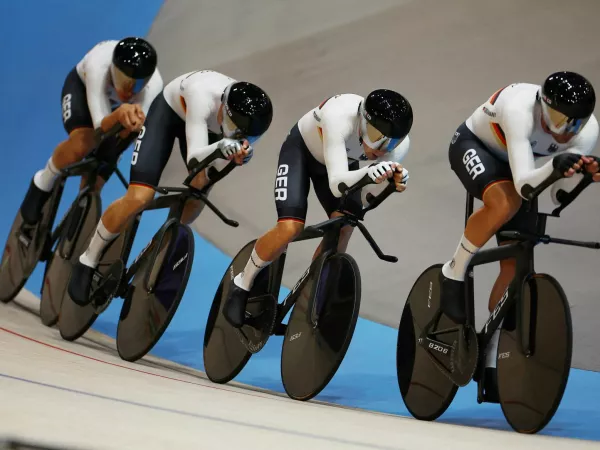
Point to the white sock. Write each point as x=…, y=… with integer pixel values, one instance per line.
x=245, y=279
x=457, y=268
x=44, y=179
x=492, y=349
x=102, y=237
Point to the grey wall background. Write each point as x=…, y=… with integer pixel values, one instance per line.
x=447, y=57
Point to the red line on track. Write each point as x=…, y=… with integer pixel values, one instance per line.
x=45, y=344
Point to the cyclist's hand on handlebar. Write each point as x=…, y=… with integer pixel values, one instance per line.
x=568, y=163
x=245, y=157
x=400, y=178
x=381, y=171
x=592, y=166
x=132, y=117
x=245, y=154
x=234, y=149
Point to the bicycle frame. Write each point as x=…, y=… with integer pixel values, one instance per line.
x=89, y=167
x=175, y=203
x=329, y=230
x=330, y=243
x=84, y=167
x=522, y=251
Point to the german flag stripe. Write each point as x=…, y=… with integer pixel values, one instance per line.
x=320, y=131
x=323, y=102
x=499, y=133
x=183, y=104
x=494, y=97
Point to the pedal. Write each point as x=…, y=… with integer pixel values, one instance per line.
x=107, y=286
x=97, y=277
x=260, y=317
x=101, y=303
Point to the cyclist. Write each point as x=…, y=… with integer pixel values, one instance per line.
x=204, y=111
x=326, y=146
x=493, y=154
x=115, y=82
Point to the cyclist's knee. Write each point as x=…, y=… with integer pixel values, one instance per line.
x=503, y=200
x=81, y=141
x=138, y=197
x=289, y=230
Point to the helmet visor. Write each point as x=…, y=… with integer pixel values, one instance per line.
x=126, y=84
x=231, y=130
x=375, y=138
x=560, y=123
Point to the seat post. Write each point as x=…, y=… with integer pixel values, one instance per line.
x=469, y=207
x=176, y=210
x=92, y=176
x=469, y=281
x=331, y=239
x=541, y=224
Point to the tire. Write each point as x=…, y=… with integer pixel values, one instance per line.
x=531, y=387
x=426, y=391
x=80, y=225
x=224, y=354
x=321, y=327
x=155, y=291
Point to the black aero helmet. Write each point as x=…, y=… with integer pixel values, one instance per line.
x=568, y=100
x=135, y=57
x=387, y=116
x=247, y=109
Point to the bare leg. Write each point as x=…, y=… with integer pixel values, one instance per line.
x=114, y=220
x=506, y=275
x=500, y=203
x=345, y=235
x=123, y=209
x=67, y=152
x=74, y=149
x=193, y=208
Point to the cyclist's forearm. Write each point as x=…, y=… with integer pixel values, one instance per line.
x=348, y=178
x=109, y=121
x=200, y=154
